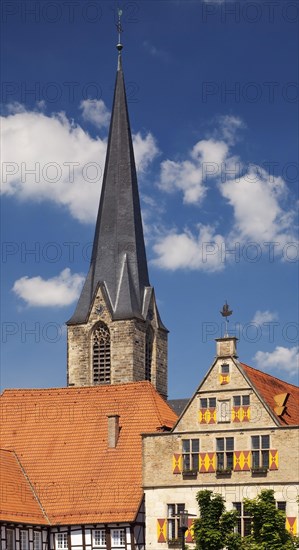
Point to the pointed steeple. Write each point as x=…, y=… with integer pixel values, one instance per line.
x=118, y=259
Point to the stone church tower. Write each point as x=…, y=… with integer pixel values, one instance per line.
x=115, y=334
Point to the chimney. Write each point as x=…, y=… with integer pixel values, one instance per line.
x=113, y=430
x=227, y=346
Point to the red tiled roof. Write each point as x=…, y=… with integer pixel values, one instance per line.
x=17, y=500
x=60, y=438
x=268, y=387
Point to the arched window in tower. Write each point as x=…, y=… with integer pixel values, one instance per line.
x=101, y=357
x=149, y=353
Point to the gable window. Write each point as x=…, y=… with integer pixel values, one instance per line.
x=173, y=521
x=190, y=454
x=260, y=445
x=241, y=400
x=243, y=526
x=61, y=540
x=101, y=361
x=99, y=538
x=149, y=338
x=225, y=453
x=208, y=403
x=224, y=368
x=37, y=540
x=224, y=412
x=24, y=544
x=118, y=538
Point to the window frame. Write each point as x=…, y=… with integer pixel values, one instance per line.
x=12, y=534
x=100, y=545
x=208, y=401
x=40, y=543
x=22, y=545
x=260, y=452
x=60, y=545
x=241, y=397
x=120, y=541
x=173, y=521
x=243, y=526
x=225, y=456
x=191, y=456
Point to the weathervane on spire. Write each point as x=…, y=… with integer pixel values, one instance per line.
x=119, y=30
x=226, y=312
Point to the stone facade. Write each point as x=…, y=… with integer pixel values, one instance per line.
x=128, y=347
x=168, y=482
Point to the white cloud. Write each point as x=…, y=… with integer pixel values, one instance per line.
x=58, y=291
x=186, y=251
x=228, y=128
x=256, y=200
x=145, y=150
x=262, y=317
x=96, y=112
x=189, y=176
x=67, y=163
x=284, y=359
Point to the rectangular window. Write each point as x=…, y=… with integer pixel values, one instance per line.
x=225, y=368
x=244, y=521
x=37, y=540
x=99, y=538
x=118, y=538
x=10, y=539
x=223, y=412
x=225, y=453
x=260, y=445
x=24, y=545
x=190, y=454
x=239, y=400
x=208, y=403
x=61, y=540
x=282, y=505
x=173, y=521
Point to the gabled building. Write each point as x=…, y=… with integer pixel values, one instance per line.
x=237, y=435
x=71, y=474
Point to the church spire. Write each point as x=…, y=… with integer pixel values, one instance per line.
x=118, y=257
x=116, y=334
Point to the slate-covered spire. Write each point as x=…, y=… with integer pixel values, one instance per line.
x=118, y=257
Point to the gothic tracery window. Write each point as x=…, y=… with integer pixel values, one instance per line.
x=101, y=356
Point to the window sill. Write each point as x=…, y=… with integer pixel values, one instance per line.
x=259, y=471
x=225, y=472
x=189, y=473
x=174, y=543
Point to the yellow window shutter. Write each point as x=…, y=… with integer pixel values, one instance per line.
x=176, y=464
x=273, y=460
x=161, y=530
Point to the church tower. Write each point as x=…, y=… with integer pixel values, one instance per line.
x=115, y=334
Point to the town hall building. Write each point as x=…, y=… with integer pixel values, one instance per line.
x=107, y=463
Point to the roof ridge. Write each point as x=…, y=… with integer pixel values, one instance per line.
x=270, y=375
x=76, y=388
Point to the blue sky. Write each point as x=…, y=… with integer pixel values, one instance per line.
x=212, y=92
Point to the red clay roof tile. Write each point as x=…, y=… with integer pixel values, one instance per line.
x=268, y=386
x=60, y=437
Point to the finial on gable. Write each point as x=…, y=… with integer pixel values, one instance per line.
x=226, y=312
x=119, y=46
